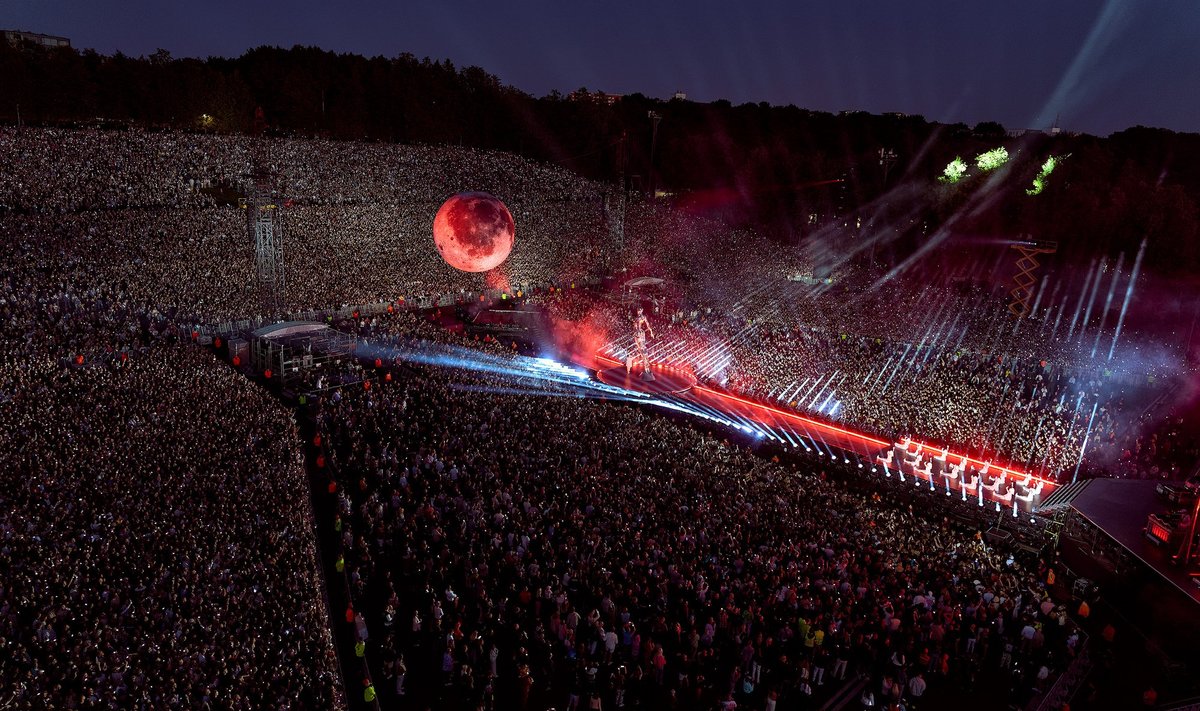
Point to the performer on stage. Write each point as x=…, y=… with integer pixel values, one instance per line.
x=641, y=326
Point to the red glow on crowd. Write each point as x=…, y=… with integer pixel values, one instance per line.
x=498, y=279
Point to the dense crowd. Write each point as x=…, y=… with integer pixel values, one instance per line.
x=155, y=535
x=503, y=549
x=153, y=211
x=158, y=551
x=60, y=171
x=514, y=551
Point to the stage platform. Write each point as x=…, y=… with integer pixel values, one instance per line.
x=791, y=427
x=667, y=381
x=1119, y=508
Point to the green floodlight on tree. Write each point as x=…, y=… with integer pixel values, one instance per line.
x=992, y=159
x=1039, y=182
x=955, y=171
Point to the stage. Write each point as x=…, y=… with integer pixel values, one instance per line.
x=667, y=381
x=823, y=438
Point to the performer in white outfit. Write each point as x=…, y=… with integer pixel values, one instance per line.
x=641, y=326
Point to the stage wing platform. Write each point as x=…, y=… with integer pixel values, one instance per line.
x=1120, y=508
x=920, y=463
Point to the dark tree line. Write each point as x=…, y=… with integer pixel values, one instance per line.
x=773, y=166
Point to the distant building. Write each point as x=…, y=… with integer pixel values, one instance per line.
x=1052, y=131
x=17, y=37
x=679, y=95
x=594, y=97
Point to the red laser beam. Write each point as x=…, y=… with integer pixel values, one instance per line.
x=794, y=416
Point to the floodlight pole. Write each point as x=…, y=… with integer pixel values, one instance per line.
x=622, y=195
x=654, y=117
x=887, y=157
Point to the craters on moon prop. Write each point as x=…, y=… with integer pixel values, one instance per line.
x=474, y=232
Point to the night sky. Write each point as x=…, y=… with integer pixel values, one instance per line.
x=1101, y=66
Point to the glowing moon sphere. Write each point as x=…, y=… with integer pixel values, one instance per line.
x=474, y=232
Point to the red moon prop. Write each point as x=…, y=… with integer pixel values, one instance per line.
x=474, y=232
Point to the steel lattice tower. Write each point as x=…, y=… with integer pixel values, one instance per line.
x=264, y=223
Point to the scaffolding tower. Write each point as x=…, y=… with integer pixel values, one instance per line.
x=1023, y=280
x=264, y=222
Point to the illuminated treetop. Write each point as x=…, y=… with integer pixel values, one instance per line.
x=1039, y=182
x=990, y=160
x=955, y=171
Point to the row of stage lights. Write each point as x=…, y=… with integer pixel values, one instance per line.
x=818, y=452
